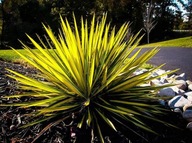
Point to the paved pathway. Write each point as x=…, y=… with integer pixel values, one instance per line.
x=174, y=58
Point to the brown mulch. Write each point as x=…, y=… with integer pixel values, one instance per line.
x=11, y=118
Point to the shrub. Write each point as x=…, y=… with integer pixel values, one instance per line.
x=88, y=72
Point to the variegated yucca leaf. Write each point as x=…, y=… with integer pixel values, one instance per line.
x=89, y=71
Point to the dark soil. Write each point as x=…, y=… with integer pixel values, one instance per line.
x=11, y=118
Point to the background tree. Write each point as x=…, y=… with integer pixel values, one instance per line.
x=148, y=21
x=11, y=20
x=178, y=20
x=164, y=14
x=188, y=7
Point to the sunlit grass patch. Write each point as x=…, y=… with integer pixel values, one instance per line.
x=185, y=42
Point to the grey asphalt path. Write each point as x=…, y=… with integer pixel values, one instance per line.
x=174, y=58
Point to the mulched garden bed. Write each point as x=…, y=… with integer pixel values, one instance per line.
x=12, y=117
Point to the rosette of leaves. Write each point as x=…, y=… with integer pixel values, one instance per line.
x=88, y=71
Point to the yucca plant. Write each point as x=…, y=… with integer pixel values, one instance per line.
x=88, y=72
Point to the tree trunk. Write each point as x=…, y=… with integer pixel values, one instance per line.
x=147, y=37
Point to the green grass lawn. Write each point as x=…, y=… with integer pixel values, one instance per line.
x=10, y=55
x=185, y=42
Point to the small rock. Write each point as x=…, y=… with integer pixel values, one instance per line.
x=154, y=74
x=156, y=82
x=172, y=76
x=188, y=95
x=145, y=85
x=187, y=107
x=188, y=82
x=184, y=76
x=190, y=87
x=187, y=114
x=170, y=80
x=175, y=89
x=160, y=72
x=162, y=102
x=178, y=102
x=181, y=92
x=181, y=84
x=189, y=126
x=164, y=80
x=12, y=127
x=181, y=77
x=139, y=71
x=177, y=110
x=167, y=91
